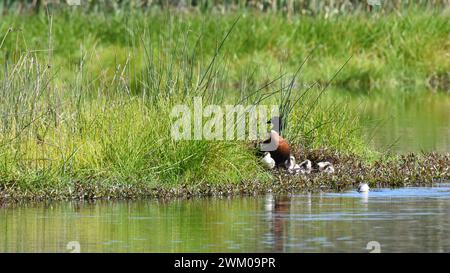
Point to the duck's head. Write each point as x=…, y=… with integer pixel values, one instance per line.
x=276, y=123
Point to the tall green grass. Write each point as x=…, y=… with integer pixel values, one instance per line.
x=290, y=7
x=402, y=51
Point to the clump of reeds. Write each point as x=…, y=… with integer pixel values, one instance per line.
x=88, y=116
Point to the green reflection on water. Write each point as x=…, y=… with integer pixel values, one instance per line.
x=401, y=122
x=305, y=223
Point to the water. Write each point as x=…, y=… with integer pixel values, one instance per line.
x=408, y=219
x=401, y=122
x=406, y=123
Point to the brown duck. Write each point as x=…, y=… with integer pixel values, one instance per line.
x=276, y=145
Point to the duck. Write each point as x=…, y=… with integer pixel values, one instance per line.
x=268, y=161
x=276, y=145
x=326, y=167
x=363, y=188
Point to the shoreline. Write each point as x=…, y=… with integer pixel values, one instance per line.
x=406, y=170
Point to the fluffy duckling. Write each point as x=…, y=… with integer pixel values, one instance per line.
x=290, y=163
x=276, y=145
x=291, y=166
x=305, y=167
x=326, y=167
x=268, y=161
x=363, y=188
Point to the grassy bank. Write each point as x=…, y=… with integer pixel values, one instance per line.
x=398, y=171
x=86, y=98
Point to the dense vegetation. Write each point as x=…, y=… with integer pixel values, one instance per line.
x=87, y=96
x=290, y=7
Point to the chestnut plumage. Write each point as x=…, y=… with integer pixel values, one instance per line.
x=281, y=150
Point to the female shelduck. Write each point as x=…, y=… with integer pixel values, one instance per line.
x=363, y=187
x=276, y=145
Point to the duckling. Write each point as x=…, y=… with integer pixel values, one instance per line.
x=326, y=167
x=305, y=167
x=268, y=161
x=290, y=163
x=291, y=166
x=276, y=145
x=363, y=188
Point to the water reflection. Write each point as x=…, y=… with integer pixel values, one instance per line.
x=403, y=122
x=278, y=209
x=410, y=219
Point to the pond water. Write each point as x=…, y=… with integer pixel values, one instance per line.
x=395, y=220
x=406, y=123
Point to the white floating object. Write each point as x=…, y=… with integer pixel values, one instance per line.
x=363, y=187
x=268, y=161
x=326, y=167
